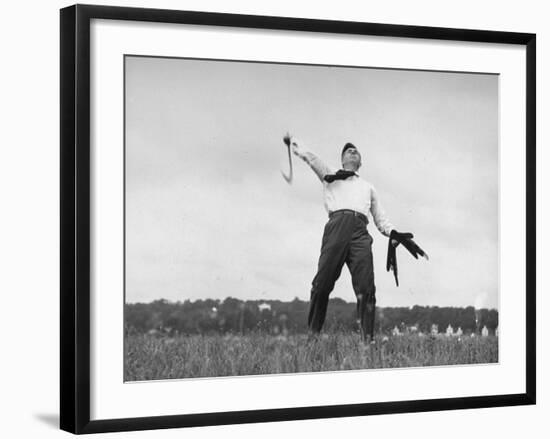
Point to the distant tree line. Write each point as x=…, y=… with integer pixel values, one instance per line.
x=274, y=316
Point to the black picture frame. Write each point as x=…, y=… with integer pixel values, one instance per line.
x=75, y=217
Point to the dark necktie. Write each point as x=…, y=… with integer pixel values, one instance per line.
x=342, y=174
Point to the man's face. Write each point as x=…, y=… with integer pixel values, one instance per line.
x=351, y=156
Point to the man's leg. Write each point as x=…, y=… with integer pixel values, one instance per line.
x=334, y=250
x=359, y=261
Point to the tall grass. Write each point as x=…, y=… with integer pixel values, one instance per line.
x=150, y=358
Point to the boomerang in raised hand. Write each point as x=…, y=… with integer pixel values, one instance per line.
x=406, y=239
x=288, y=177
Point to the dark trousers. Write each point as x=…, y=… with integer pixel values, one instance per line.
x=345, y=240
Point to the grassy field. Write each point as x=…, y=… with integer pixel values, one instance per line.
x=151, y=357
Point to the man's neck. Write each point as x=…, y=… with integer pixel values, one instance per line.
x=350, y=168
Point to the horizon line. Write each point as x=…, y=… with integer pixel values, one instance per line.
x=296, y=298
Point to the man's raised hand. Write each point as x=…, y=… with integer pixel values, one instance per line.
x=288, y=177
x=294, y=145
x=286, y=139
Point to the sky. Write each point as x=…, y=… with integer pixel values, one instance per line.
x=208, y=214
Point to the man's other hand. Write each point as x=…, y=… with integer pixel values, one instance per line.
x=407, y=240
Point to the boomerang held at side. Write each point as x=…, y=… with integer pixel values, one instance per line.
x=407, y=240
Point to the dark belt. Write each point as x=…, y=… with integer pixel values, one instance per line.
x=349, y=212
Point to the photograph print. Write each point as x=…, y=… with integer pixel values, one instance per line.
x=297, y=218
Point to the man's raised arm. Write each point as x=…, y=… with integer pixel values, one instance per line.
x=309, y=157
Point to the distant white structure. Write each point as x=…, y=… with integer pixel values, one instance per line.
x=484, y=331
x=283, y=319
x=459, y=332
x=395, y=331
x=264, y=306
x=435, y=329
x=449, y=331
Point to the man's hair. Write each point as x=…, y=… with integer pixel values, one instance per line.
x=346, y=147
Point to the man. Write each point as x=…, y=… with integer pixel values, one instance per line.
x=348, y=199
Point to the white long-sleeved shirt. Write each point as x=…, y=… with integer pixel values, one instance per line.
x=353, y=193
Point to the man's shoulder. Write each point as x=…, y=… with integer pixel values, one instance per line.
x=366, y=182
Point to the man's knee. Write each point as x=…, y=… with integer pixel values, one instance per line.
x=367, y=295
x=322, y=286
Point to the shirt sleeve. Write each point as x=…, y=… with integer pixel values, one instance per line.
x=379, y=215
x=315, y=163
